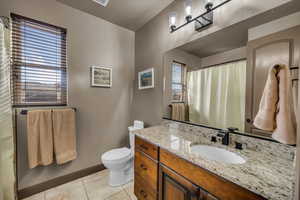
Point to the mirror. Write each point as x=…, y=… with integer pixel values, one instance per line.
x=221, y=85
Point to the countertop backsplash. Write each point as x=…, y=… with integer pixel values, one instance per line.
x=259, y=145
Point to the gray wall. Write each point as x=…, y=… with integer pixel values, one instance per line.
x=228, y=56
x=281, y=24
x=191, y=61
x=103, y=114
x=154, y=39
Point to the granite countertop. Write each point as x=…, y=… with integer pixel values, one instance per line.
x=267, y=175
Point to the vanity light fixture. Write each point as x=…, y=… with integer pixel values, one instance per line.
x=201, y=21
x=188, y=9
x=172, y=21
x=209, y=4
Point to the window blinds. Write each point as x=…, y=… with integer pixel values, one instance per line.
x=39, y=67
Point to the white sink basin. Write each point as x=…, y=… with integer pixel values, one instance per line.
x=217, y=154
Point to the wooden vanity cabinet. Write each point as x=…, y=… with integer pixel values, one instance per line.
x=215, y=185
x=145, y=170
x=174, y=187
x=149, y=149
x=160, y=174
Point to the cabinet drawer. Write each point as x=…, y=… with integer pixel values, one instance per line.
x=146, y=147
x=142, y=191
x=146, y=168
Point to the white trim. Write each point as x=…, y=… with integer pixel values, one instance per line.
x=139, y=78
x=93, y=84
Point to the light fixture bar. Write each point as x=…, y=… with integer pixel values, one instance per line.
x=202, y=16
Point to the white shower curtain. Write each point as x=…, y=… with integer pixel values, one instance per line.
x=7, y=169
x=216, y=95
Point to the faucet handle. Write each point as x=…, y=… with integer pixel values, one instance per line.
x=232, y=129
x=240, y=146
x=222, y=133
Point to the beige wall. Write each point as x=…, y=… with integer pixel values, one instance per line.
x=154, y=39
x=103, y=114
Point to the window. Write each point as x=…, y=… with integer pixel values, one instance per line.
x=178, y=82
x=38, y=63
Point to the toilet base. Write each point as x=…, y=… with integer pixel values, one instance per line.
x=120, y=177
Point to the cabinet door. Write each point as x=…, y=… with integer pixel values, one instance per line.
x=146, y=168
x=142, y=190
x=175, y=187
x=264, y=53
x=206, y=196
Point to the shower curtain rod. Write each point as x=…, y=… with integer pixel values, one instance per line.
x=5, y=20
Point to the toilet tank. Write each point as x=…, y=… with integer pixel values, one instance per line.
x=136, y=126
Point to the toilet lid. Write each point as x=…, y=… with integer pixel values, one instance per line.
x=116, y=154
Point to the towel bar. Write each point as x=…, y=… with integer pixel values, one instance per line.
x=293, y=68
x=24, y=112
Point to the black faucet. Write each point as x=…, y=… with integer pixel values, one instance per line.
x=224, y=134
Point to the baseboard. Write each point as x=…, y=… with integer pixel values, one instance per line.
x=27, y=192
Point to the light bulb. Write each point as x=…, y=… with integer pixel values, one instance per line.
x=209, y=4
x=188, y=9
x=172, y=20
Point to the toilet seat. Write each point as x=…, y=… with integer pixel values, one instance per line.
x=117, y=155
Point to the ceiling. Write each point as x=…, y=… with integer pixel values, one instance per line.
x=131, y=14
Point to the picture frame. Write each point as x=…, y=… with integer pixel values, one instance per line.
x=146, y=79
x=101, y=77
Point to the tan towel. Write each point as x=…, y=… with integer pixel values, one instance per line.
x=276, y=112
x=266, y=116
x=64, y=135
x=39, y=138
x=179, y=111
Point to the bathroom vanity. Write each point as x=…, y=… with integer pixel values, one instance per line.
x=166, y=168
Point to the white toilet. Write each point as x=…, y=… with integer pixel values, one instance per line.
x=119, y=161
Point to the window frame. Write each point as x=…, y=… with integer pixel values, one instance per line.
x=61, y=68
x=182, y=83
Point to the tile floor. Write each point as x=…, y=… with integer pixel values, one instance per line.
x=93, y=187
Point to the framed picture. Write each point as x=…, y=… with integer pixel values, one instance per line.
x=146, y=79
x=101, y=76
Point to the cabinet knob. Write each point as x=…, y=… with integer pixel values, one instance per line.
x=248, y=120
x=143, y=147
x=143, y=167
x=144, y=194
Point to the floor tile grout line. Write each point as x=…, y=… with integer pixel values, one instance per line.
x=113, y=194
x=84, y=185
x=85, y=190
x=127, y=193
